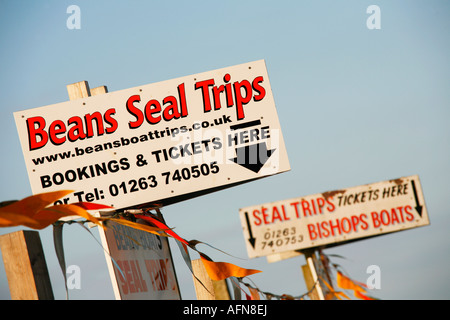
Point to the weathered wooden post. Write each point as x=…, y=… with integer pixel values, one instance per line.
x=25, y=266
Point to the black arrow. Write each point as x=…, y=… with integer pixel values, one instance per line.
x=253, y=157
x=249, y=227
x=418, y=206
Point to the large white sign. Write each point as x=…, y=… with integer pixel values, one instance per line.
x=140, y=264
x=157, y=143
x=334, y=217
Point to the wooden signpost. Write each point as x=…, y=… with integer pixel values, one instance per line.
x=140, y=264
x=155, y=144
x=25, y=266
x=158, y=143
x=332, y=218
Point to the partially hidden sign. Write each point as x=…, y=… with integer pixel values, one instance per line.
x=140, y=264
x=157, y=143
x=334, y=217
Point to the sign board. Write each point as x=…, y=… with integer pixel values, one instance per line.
x=162, y=142
x=145, y=261
x=334, y=217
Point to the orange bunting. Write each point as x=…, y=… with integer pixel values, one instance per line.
x=359, y=295
x=345, y=282
x=91, y=206
x=161, y=225
x=73, y=210
x=37, y=211
x=254, y=293
x=11, y=219
x=332, y=293
x=222, y=270
x=138, y=226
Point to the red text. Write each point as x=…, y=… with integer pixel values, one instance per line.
x=243, y=92
x=76, y=128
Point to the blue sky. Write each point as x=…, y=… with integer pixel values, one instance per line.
x=355, y=105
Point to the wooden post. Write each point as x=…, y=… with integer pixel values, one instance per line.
x=205, y=291
x=311, y=276
x=22, y=251
x=221, y=290
x=25, y=266
x=99, y=90
x=81, y=89
x=78, y=90
x=327, y=287
x=215, y=290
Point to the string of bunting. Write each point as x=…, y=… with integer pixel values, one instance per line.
x=38, y=212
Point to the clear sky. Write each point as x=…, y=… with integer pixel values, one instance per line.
x=356, y=106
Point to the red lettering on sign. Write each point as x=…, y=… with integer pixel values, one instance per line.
x=153, y=107
x=337, y=227
x=392, y=216
x=257, y=220
x=258, y=88
x=56, y=128
x=315, y=206
x=161, y=274
x=204, y=85
x=265, y=215
x=171, y=108
x=240, y=99
x=79, y=128
x=409, y=214
x=243, y=93
x=295, y=205
x=133, y=281
x=135, y=112
x=36, y=126
x=76, y=131
x=276, y=214
x=270, y=215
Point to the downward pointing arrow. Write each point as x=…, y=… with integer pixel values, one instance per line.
x=418, y=206
x=253, y=157
x=249, y=227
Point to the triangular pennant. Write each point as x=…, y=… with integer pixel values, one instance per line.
x=223, y=270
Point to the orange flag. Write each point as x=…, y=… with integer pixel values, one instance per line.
x=222, y=270
x=139, y=226
x=333, y=293
x=254, y=293
x=359, y=295
x=162, y=226
x=37, y=211
x=346, y=283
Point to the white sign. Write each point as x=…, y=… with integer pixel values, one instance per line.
x=158, y=143
x=145, y=262
x=334, y=217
